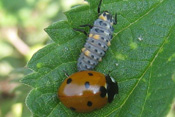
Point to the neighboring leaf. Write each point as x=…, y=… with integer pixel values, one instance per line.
x=141, y=58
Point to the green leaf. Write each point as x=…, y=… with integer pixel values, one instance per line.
x=141, y=58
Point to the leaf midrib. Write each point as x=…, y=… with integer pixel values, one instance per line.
x=156, y=55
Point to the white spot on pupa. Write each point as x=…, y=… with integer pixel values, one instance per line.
x=140, y=38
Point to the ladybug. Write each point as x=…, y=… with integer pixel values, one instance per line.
x=85, y=91
x=98, y=40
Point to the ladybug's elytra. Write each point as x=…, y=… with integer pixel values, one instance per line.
x=86, y=91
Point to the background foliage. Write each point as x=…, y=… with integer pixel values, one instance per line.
x=141, y=56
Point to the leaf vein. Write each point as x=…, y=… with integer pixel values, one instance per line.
x=157, y=53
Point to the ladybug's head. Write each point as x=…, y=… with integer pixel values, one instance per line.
x=112, y=88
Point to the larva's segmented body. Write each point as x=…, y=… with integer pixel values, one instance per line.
x=97, y=43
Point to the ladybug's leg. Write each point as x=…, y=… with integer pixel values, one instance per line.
x=89, y=25
x=81, y=30
x=115, y=19
x=99, y=5
x=66, y=74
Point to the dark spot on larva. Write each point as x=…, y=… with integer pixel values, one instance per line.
x=104, y=24
x=106, y=40
x=100, y=22
x=110, y=36
x=99, y=44
x=87, y=85
x=92, y=41
x=89, y=103
x=72, y=108
x=101, y=31
x=92, y=56
x=109, y=17
x=103, y=91
x=111, y=20
x=104, y=47
x=93, y=63
x=85, y=66
x=89, y=62
x=80, y=62
x=112, y=28
x=89, y=46
x=97, y=30
x=69, y=80
x=96, y=50
x=101, y=53
x=83, y=57
x=90, y=74
x=102, y=38
x=104, y=14
x=97, y=59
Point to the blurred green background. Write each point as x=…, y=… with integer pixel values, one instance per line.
x=22, y=24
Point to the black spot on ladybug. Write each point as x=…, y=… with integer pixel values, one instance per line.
x=87, y=85
x=103, y=91
x=72, y=108
x=90, y=74
x=69, y=80
x=89, y=103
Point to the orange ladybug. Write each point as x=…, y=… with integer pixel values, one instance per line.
x=86, y=91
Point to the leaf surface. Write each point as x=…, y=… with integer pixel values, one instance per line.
x=141, y=58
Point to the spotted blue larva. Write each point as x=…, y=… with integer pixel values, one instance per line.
x=98, y=41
